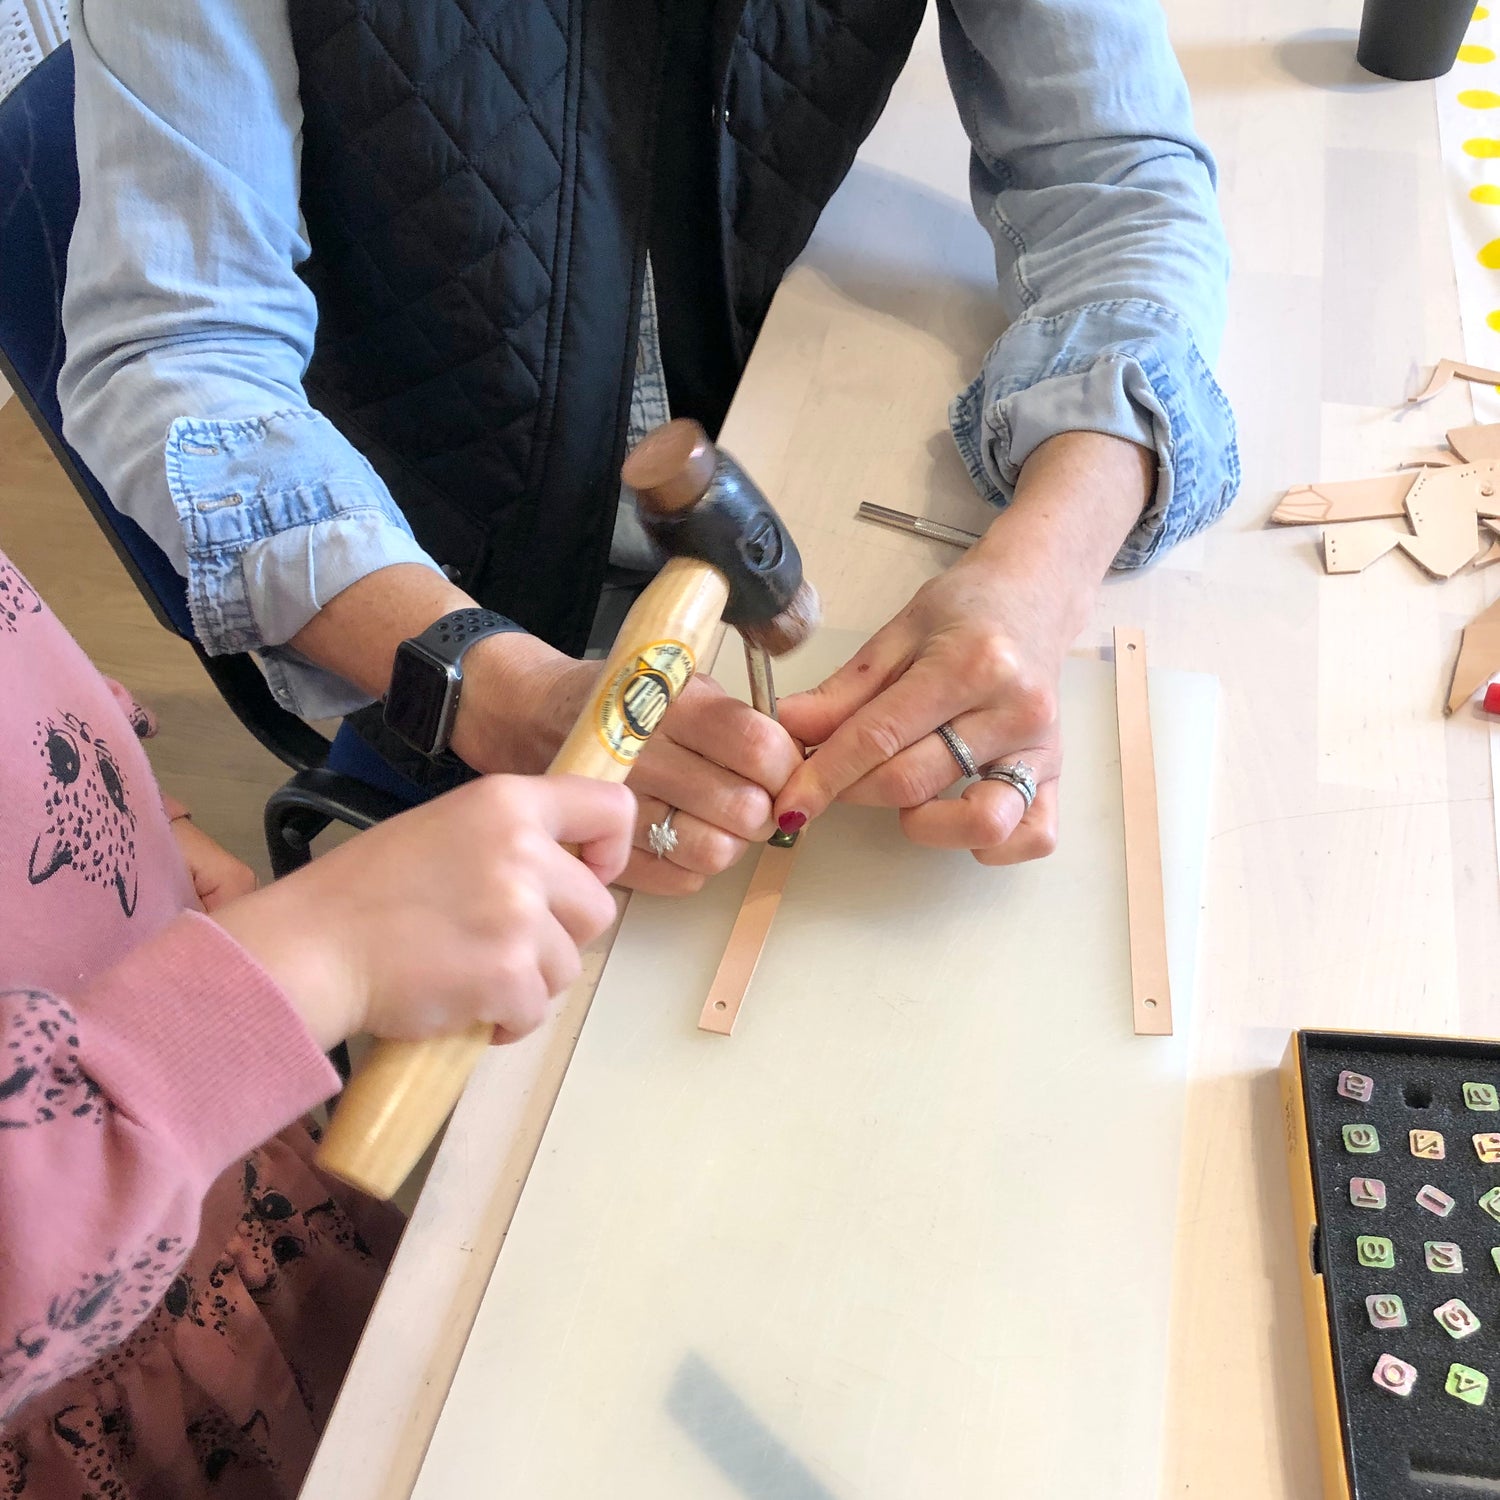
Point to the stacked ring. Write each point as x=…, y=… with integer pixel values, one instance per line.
x=958, y=749
x=1014, y=773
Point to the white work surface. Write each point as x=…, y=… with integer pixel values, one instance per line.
x=869, y=1246
x=1351, y=873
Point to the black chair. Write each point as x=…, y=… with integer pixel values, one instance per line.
x=343, y=781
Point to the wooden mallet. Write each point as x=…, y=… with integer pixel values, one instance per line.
x=731, y=559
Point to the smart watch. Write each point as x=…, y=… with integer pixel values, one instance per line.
x=427, y=678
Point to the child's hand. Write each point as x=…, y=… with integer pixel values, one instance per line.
x=218, y=876
x=465, y=909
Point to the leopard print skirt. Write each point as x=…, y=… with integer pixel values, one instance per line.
x=225, y=1387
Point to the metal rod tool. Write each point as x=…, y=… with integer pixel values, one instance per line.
x=900, y=520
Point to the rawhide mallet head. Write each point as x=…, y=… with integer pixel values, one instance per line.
x=697, y=502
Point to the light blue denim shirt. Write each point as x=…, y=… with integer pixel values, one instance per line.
x=189, y=330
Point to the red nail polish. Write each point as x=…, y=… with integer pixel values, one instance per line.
x=790, y=822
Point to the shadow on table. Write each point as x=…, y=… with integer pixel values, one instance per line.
x=743, y=1449
x=909, y=251
x=1322, y=58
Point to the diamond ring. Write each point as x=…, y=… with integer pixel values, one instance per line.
x=1015, y=773
x=661, y=838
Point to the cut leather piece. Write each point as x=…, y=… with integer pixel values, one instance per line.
x=1353, y=547
x=1430, y=458
x=1476, y=444
x=1445, y=554
x=1474, y=487
x=1442, y=506
x=1478, y=657
x=1145, y=901
x=747, y=939
x=1345, y=500
x=1449, y=369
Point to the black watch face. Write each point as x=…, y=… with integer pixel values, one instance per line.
x=414, y=705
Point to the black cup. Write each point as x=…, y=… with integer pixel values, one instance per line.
x=1411, y=39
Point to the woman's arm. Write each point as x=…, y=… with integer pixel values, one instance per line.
x=1096, y=420
x=1092, y=182
x=189, y=330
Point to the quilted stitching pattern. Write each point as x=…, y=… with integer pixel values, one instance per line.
x=455, y=188
x=807, y=82
x=435, y=231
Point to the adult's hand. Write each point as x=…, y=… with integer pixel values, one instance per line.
x=713, y=760
x=979, y=647
x=720, y=764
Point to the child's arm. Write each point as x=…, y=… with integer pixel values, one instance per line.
x=120, y=1106
x=118, y=1109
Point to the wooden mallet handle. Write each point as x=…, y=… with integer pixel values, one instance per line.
x=395, y=1105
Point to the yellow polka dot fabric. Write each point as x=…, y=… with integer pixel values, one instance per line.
x=1468, y=101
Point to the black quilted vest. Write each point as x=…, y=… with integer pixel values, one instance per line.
x=477, y=184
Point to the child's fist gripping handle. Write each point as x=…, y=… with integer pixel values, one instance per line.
x=397, y=1102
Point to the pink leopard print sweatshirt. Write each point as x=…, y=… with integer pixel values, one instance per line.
x=179, y=1290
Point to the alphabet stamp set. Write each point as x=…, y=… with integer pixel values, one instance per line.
x=1394, y=1146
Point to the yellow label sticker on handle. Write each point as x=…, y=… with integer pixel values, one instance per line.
x=637, y=696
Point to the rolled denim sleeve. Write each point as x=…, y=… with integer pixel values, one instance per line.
x=189, y=331
x=1109, y=251
x=277, y=515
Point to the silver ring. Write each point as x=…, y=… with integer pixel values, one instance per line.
x=1015, y=773
x=661, y=838
x=960, y=751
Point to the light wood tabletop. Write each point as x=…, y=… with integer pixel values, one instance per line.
x=1352, y=875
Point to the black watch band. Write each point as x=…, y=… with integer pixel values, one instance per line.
x=427, y=677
